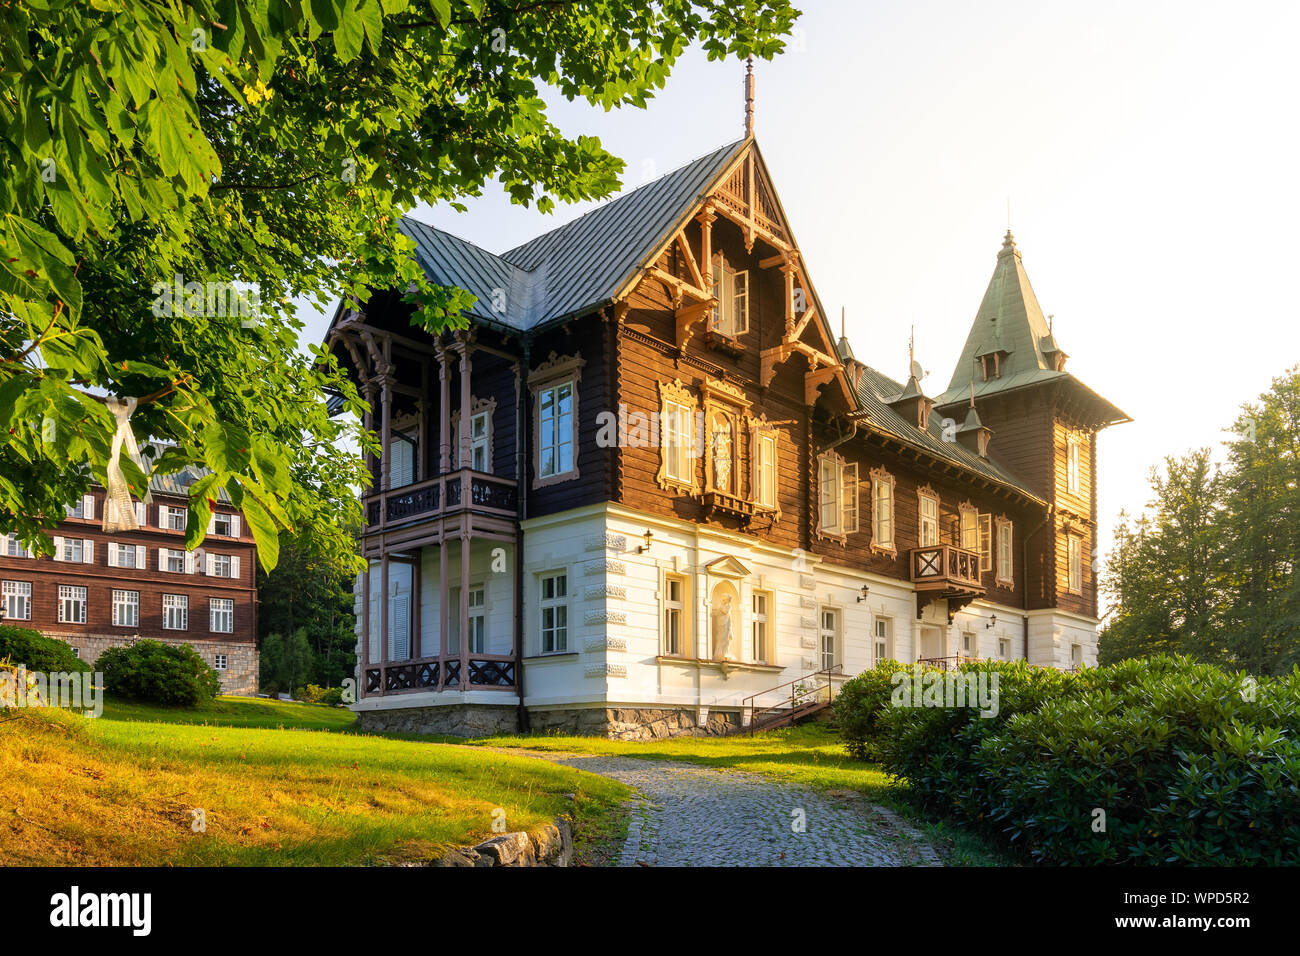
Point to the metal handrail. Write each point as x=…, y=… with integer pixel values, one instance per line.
x=829, y=674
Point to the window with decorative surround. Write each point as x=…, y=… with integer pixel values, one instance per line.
x=1072, y=464
x=553, y=607
x=762, y=624
x=1006, y=568
x=968, y=526
x=986, y=543
x=882, y=511
x=883, y=639
x=481, y=437
x=677, y=440
x=676, y=617
x=837, y=496
x=928, y=504
x=1074, y=554
x=554, y=387
x=765, y=442
x=731, y=289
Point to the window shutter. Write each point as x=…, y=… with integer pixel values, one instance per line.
x=87, y=551
x=112, y=555
x=190, y=563
x=141, y=513
x=740, y=302
x=58, y=549
x=141, y=556
x=234, y=567
x=399, y=644
x=210, y=564
x=88, y=506
x=234, y=526
x=212, y=524
x=850, y=497
x=162, y=559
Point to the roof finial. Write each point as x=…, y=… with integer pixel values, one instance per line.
x=749, y=98
x=841, y=321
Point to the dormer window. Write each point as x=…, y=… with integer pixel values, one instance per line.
x=731, y=289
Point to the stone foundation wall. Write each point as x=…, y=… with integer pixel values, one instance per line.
x=456, y=720
x=633, y=723
x=239, y=678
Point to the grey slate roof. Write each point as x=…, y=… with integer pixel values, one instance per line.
x=876, y=390
x=578, y=266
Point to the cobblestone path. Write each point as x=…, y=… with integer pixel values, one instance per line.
x=690, y=815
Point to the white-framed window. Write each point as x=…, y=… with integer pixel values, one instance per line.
x=77, y=510
x=1072, y=464
x=126, y=608
x=176, y=612
x=76, y=652
x=221, y=615
x=1074, y=551
x=555, y=429
x=220, y=662
x=141, y=514
x=674, y=616
x=480, y=426
x=968, y=644
x=554, y=609
x=762, y=622
x=1006, y=572
x=929, y=518
x=221, y=565
x=679, y=442
x=731, y=290
x=227, y=525
x=172, y=519
x=828, y=637
x=17, y=600
x=1004, y=648
x=477, y=620
x=1076, y=654
x=171, y=559
x=882, y=510
x=14, y=548
x=837, y=495
x=883, y=638
x=765, y=469
x=72, y=604
x=74, y=550
x=969, y=525
x=986, y=543
x=126, y=555
x=401, y=461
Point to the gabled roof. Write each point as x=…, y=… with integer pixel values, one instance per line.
x=576, y=267
x=876, y=390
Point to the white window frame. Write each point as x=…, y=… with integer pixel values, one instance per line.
x=927, y=521
x=477, y=640
x=480, y=444
x=986, y=542
x=72, y=604
x=1006, y=573
x=221, y=611
x=14, y=548
x=173, y=519
x=557, y=631
x=1076, y=655
x=123, y=602
x=730, y=315
x=970, y=644
x=882, y=638
x=837, y=496
x=833, y=631
x=675, y=614
x=762, y=627
x=1074, y=563
x=564, y=460
x=1004, y=648
x=17, y=596
x=176, y=608
x=679, y=442
x=882, y=511
x=1072, y=479
x=968, y=526
x=765, y=468
x=220, y=662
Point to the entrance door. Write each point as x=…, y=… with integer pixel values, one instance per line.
x=931, y=642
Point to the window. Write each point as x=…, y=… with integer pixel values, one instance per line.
x=829, y=635
x=76, y=652
x=675, y=616
x=731, y=289
x=228, y=525
x=837, y=492
x=968, y=520
x=884, y=639
x=72, y=605
x=172, y=519
x=555, y=430
x=17, y=600
x=765, y=470
x=679, y=442
x=219, y=565
x=762, y=628
x=73, y=549
x=1074, y=548
x=176, y=612
x=477, y=621
x=929, y=505
x=221, y=615
x=220, y=662
x=555, y=613
x=968, y=644
x=1006, y=573
x=1076, y=654
x=1072, y=464
x=986, y=543
x=141, y=514
x=401, y=461
x=478, y=442
x=126, y=608
x=76, y=511
x=882, y=511
x=1004, y=648
x=171, y=559
x=14, y=548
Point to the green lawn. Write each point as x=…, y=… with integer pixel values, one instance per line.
x=120, y=790
x=238, y=712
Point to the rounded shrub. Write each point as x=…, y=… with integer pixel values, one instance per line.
x=171, y=674
x=34, y=651
x=857, y=709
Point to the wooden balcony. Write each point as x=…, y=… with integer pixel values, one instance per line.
x=486, y=672
x=943, y=567
x=457, y=491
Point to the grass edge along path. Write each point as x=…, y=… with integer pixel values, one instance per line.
x=120, y=790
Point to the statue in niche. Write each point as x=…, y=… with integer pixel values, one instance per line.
x=722, y=455
x=722, y=631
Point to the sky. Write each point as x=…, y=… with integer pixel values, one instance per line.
x=1147, y=153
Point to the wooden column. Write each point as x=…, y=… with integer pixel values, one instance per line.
x=444, y=413
x=384, y=606
x=705, y=220
x=386, y=418
x=365, y=627
x=370, y=393
x=414, y=613
x=462, y=453
x=444, y=596
x=464, y=604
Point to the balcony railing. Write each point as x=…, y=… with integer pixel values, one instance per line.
x=457, y=491
x=486, y=672
x=943, y=566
